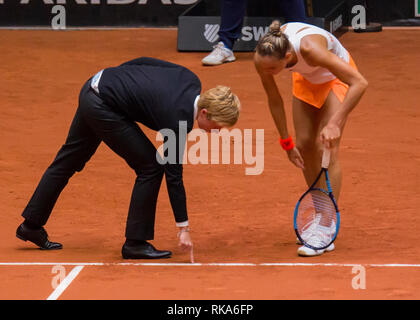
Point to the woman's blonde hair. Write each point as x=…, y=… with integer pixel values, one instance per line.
x=274, y=43
x=221, y=104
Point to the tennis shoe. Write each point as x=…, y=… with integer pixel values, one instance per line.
x=330, y=231
x=219, y=55
x=308, y=252
x=318, y=239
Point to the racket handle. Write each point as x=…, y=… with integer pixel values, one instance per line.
x=326, y=156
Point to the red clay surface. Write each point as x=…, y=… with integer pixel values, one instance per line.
x=234, y=217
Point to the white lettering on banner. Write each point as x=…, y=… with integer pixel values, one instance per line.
x=163, y=1
x=259, y=32
x=336, y=24
x=183, y=2
x=45, y=1
x=247, y=34
x=121, y=2
x=256, y=33
x=77, y=1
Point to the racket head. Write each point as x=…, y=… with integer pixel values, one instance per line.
x=316, y=219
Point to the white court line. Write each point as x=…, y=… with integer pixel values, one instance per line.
x=274, y=264
x=65, y=283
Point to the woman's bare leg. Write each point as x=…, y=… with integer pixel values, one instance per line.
x=306, y=123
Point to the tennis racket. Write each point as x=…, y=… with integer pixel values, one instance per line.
x=316, y=217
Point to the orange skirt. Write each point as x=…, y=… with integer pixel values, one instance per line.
x=317, y=94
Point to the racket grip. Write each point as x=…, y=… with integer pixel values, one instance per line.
x=326, y=156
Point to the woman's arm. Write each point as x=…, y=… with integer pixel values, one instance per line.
x=276, y=104
x=314, y=50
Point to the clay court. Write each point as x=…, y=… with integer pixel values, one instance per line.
x=242, y=226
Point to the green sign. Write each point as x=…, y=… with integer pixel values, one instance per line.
x=417, y=13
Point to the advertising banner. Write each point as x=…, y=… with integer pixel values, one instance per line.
x=394, y=12
x=92, y=13
x=198, y=31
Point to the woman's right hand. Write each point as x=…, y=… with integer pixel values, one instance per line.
x=296, y=158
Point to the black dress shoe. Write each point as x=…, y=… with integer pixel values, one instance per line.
x=143, y=251
x=38, y=237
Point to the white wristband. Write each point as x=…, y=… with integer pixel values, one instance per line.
x=182, y=224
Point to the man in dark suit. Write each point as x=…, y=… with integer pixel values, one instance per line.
x=158, y=94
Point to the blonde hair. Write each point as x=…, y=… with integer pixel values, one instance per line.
x=221, y=104
x=274, y=43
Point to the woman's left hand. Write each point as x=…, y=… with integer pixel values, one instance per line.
x=330, y=135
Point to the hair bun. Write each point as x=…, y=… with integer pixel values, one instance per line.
x=275, y=28
x=223, y=90
x=274, y=43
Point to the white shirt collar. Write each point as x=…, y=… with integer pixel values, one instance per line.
x=196, y=107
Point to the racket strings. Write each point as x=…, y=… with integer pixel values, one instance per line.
x=317, y=219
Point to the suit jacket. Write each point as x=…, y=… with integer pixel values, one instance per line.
x=158, y=94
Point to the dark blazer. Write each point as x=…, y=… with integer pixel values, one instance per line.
x=158, y=94
x=153, y=92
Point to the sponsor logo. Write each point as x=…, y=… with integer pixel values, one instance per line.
x=249, y=33
x=417, y=7
x=336, y=24
x=255, y=33
x=85, y=2
x=211, y=32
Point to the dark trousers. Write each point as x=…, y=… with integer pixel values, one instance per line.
x=94, y=122
x=233, y=13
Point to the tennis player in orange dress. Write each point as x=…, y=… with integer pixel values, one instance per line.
x=327, y=86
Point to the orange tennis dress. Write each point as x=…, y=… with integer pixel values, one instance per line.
x=313, y=84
